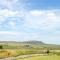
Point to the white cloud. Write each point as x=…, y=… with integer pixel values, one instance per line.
x=46, y=20
x=11, y=33
x=42, y=19
x=4, y=14
x=10, y=9
x=8, y=32
x=8, y=3
x=23, y=35
x=36, y=12
x=12, y=4
x=12, y=23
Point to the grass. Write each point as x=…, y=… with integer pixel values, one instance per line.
x=14, y=52
x=42, y=58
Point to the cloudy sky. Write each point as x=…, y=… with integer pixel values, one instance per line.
x=22, y=20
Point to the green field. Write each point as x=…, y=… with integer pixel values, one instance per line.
x=17, y=49
x=42, y=58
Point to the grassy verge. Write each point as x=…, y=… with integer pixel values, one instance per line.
x=42, y=58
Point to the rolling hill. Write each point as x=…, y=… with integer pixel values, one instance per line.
x=28, y=44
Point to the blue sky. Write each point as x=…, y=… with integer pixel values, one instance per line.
x=22, y=20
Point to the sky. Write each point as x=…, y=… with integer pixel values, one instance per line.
x=22, y=20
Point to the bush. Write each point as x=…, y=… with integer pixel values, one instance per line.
x=47, y=51
x=1, y=47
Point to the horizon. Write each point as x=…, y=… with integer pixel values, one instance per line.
x=29, y=41
x=22, y=20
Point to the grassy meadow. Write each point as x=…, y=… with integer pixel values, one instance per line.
x=46, y=51
x=42, y=58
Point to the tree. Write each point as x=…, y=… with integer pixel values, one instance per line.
x=47, y=51
x=1, y=47
x=27, y=45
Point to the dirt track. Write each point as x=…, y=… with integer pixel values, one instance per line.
x=23, y=56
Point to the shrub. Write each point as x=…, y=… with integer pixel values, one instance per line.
x=1, y=47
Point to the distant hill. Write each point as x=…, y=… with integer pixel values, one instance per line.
x=25, y=42
x=34, y=42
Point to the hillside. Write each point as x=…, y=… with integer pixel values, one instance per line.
x=26, y=44
x=33, y=42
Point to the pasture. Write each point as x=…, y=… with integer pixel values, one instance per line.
x=42, y=58
x=17, y=49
